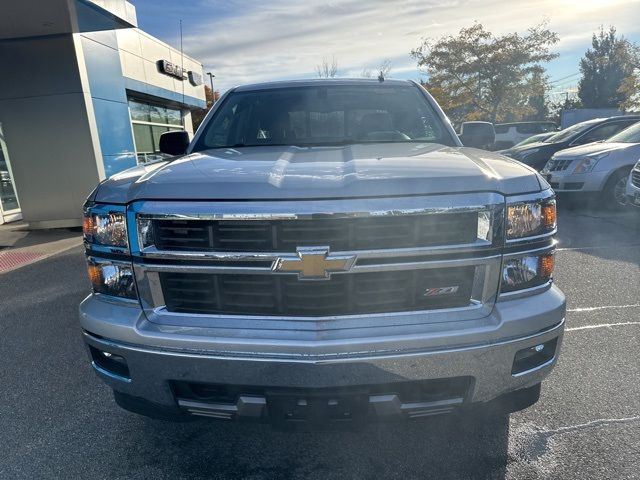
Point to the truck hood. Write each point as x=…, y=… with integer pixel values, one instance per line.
x=592, y=149
x=363, y=170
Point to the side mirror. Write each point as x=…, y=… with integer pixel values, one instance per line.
x=174, y=143
x=477, y=134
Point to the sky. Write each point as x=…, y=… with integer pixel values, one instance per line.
x=259, y=40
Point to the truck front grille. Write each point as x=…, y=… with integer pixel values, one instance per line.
x=341, y=234
x=345, y=294
x=635, y=178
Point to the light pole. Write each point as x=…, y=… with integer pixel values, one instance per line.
x=213, y=95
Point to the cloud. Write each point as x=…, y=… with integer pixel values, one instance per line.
x=252, y=41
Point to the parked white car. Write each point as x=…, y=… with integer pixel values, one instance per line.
x=633, y=186
x=510, y=134
x=597, y=168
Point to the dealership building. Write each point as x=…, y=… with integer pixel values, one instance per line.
x=84, y=94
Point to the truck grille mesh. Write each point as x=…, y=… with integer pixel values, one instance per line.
x=385, y=232
x=345, y=294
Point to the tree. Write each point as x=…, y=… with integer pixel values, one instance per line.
x=383, y=70
x=556, y=108
x=537, y=101
x=630, y=86
x=198, y=115
x=478, y=76
x=609, y=77
x=326, y=69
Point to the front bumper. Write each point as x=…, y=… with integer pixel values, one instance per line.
x=563, y=181
x=633, y=193
x=482, y=352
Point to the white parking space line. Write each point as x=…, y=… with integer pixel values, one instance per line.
x=604, y=307
x=609, y=247
x=601, y=325
x=600, y=422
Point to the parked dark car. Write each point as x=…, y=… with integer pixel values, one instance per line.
x=541, y=137
x=538, y=154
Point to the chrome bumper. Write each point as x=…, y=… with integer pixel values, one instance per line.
x=484, y=351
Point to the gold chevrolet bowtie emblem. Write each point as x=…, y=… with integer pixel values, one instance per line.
x=314, y=263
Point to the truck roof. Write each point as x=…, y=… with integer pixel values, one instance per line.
x=314, y=82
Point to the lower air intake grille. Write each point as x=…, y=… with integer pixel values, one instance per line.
x=344, y=294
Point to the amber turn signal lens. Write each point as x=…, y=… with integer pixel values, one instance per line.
x=95, y=275
x=87, y=226
x=549, y=215
x=546, y=264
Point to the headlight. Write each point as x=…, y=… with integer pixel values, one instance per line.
x=105, y=225
x=112, y=278
x=526, y=272
x=531, y=218
x=585, y=165
x=527, y=153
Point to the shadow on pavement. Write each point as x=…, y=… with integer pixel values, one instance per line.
x=598, y=232
x=439, y=447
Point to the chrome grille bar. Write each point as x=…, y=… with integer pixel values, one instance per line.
x=161, y=268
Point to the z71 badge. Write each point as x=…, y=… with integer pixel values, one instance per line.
x=435, y=292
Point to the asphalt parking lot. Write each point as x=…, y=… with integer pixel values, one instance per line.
x=58, y=421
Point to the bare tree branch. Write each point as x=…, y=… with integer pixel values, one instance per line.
x=326, y=69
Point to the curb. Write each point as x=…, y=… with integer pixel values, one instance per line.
x=14, y=259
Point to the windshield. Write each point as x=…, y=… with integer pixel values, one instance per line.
x=535, y=138
x=569, y=132
x=324, y=115
x=628, y=135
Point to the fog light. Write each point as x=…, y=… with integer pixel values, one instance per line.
x=533, y=357
x=110, y=363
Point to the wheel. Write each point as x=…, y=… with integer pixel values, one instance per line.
x=614, y=193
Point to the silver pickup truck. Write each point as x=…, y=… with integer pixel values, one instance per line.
x=323, y=251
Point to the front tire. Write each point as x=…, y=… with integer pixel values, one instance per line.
x=613, y=195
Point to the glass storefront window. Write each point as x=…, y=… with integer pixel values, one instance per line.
x=158, y=114
x=174, y=117
x=149, y=122
x=157, y=131
x=139, y=111
x=9, y=206
x=143, y=138
x=7, y=192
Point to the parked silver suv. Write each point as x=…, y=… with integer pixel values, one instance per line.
x=323, y=251
x=633, y=186
x=600, y=168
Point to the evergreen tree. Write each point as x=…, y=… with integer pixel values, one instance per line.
x=606, y=67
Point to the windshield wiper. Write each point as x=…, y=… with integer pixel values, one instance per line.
x=235, y=145
x=336, y=143
x=244, y=145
